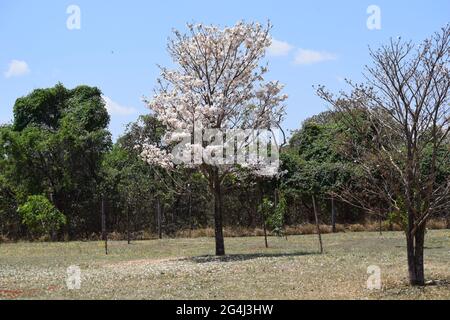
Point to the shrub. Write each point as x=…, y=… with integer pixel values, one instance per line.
x=436, y=224
x=273, y=214
x=356, y=228
x=40, y=216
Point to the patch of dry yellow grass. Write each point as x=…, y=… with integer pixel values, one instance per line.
x=184, y=268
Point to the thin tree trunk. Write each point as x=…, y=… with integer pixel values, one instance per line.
x=317, y=223
x=265, y=232
x=218, y=227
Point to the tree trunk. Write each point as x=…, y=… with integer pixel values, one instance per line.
x=420, y=272
x=220, y=246
x=415, y=247
x=265, y=231
x=333, y=215
x=317, y=224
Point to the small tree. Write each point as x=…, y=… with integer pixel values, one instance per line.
x=40, y=216
x=266, y=211
x=276, y=220
x=273, y=216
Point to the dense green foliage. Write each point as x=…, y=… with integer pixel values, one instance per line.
x=40, y=216
x=58, y=146
x=55, y=147
x=315, y=164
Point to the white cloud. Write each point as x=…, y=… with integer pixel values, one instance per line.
x=305, y=56
x=279, y=48
x=17, y=68
x=115, y=108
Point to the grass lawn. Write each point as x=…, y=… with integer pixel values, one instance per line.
x=183, y=268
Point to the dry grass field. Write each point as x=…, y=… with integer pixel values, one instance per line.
x=183, y=268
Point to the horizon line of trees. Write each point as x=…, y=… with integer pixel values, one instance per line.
x=62, y=169
x=58, y=147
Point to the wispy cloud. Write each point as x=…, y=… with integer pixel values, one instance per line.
x=279, y=48
x=115, y=108
x=306, y=56
x=17, y=68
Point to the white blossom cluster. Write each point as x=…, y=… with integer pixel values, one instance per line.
x=218, y=84
x=154, y=155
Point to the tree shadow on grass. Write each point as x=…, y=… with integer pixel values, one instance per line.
x=245, y=257
x=425, y=247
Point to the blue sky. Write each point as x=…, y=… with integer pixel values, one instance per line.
x=120, y=44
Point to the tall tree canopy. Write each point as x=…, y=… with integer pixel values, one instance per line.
x=55, y=147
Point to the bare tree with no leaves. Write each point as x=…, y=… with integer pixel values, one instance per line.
x=405, y=104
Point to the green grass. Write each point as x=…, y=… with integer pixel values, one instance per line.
x=184, y=268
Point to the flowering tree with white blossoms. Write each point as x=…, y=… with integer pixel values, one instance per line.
x=219, y=112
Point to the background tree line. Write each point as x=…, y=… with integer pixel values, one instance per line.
x=58, y=147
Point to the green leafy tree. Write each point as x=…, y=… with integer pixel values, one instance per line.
x=276, y=220
x=55, y=146
x=314, y=165
x=273, y=215
x=10, y=221
x=40, y=216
